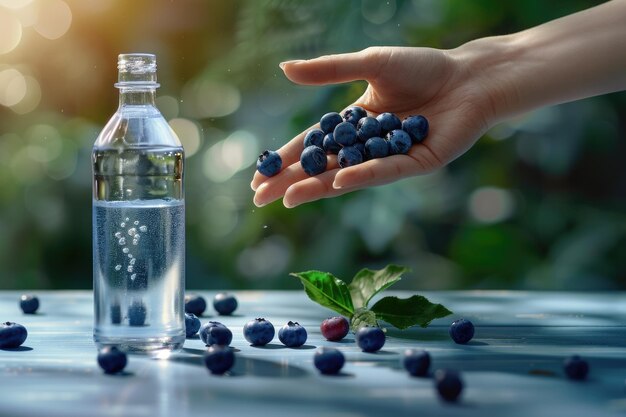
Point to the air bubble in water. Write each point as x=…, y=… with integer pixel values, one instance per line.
x=136, y=222
x=143, y=229
x=135, y=242
x=126, y=219
x=122, y=241
x=118, y=235
x=133, y=276
x=130, y=255
x=118, y=267
x=132, y=261
x=130, y=268
x=132, y=231
x=125, y=250
x=122, y=224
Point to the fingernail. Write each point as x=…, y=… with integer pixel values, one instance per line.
x=258, y=203
x=295, y=61
x=288, y=205
x=252, y=186
x=337, y=186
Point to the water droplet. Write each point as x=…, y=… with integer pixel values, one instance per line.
x=143, y=229
x=130, y=268
x=137, y=236
x=130, y=255
x=265, y=226
x=122, y=241
x=132, y=231
x=132, y=261
x=122, y=224
x=135, y=242
x=126, y=219
x=125, y=250
x=118, y=235
x=118, y=267
x=133, y=276
x=136, y=222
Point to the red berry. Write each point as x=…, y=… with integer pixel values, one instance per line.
x=335, y=328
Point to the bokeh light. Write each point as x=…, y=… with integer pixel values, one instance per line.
x=491, y=204
x=54, y=18
x=204, y=98
x=189, y=134
x=12, y=87
x=224, y=159
x=10, y=31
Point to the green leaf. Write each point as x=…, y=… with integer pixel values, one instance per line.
x=367, y=283
x=363, y=317
x=327, y=290
x=407, y=312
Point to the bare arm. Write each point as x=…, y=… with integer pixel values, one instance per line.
x=463, y=92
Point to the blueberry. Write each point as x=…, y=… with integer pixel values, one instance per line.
x=111, y=360
x=349, y=156
x=192, y=324
x=416, y=127
x=345, y=134
x=225, y=303
x=416, y=362
x=215, y=333
x=292, y=334
x=328, y=361
x=116, y=313
x=461, y=331
x=259, y=332
x=576, y=368
x=330, y=146
x=195, y=304
x=368, y=127
x=361, y=147
x=370, y=338
x=353, y=114
x=137, y=313
x=388, y=122
x=376, y=148
x=269, y=163
x=314, y=137
x=399, y=141
x=12, y=335
x=329, y=121
x=335, y=328
x=219, y=359
x=313, y=160
x=29, y=303
x=449, y=384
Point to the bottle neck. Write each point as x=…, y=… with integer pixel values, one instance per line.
x=137, y=96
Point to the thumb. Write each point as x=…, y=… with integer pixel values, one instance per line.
x=331, y=69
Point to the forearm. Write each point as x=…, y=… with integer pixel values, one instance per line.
x=571, y=58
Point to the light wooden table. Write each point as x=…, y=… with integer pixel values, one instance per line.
x=513, y=367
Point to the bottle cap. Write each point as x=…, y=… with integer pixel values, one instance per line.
x=136, y=70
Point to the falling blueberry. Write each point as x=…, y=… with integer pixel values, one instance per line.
x=328, y=361
x=225, y=304
x=215, y=333
x=259, y=332
x=12, y=335
x=416, y=362
x=192, y=324
x=219, y=359
x=137, y=313
x=449, y=384
x=29, y=303
x=576, y=368
x=461, y=331
x=112, y=360
x=416, y=127
x=292, y=334
x=195, y=304
x=269, y=163
x=313, y=160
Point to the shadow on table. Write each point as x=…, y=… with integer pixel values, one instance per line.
x=18, y=349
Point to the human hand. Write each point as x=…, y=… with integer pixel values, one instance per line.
x=404, y=81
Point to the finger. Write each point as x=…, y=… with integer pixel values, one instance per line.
x=289, y=154
x=313, y=188
x=331, y=69
x=274, y=188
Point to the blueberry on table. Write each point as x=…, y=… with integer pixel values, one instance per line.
x=367, y=127
x=461, y=331
x=219, y=359
x=328, y=361
x=195, y=304
x=225, y=304
x=349, y=156
x=12, y=335
x=111, y=359
x=192, y=324
x=345, y=134
x=329, y=121
x=399, y=142
x=576, y=368
x=416, y=362
x=314, y=137
x=335, y=328
x=449, y=384
x=376, y=147
x=259, y=332
x=215, y=333
x=388, y=122
x=292, y=334
x=330, y=146
x=137, y=313
x=353, y=114
x=370, y=338
x=313, y=160
x=269, y=163
x=416, y=127
x=29, y=303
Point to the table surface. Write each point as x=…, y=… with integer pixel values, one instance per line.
x=512, y=367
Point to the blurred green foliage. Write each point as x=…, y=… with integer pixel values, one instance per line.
x=538, y=203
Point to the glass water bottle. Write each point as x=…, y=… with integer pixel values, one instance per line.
x=138, y=220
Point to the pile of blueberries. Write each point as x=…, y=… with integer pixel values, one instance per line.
x=354, y=137
x=219, y=356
